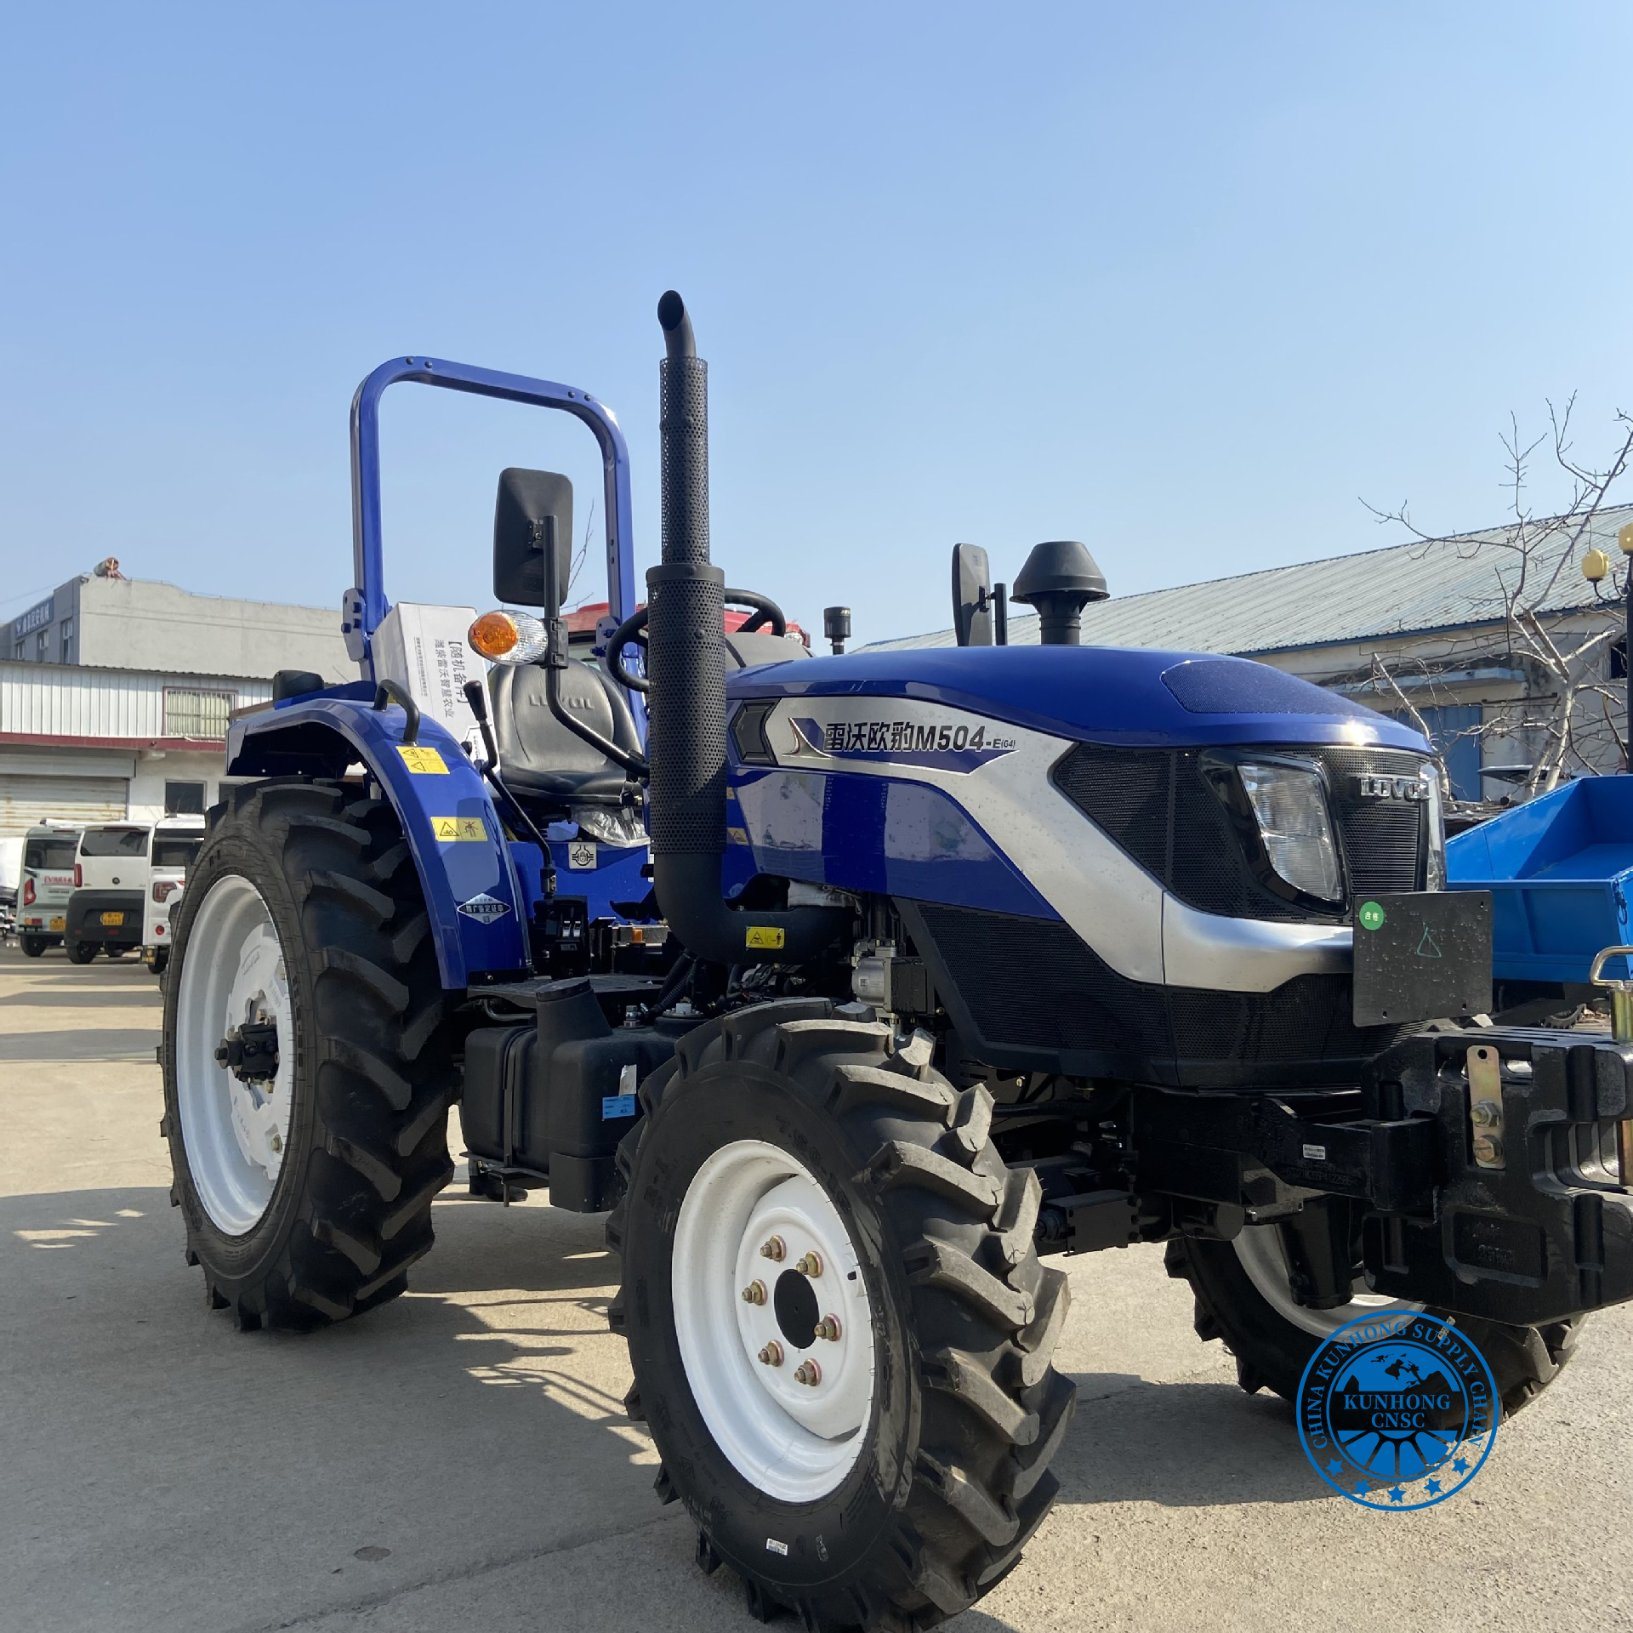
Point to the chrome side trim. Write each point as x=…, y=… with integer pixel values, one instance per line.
x=1224, y=954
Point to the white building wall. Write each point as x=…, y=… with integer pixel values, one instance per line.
x=154, y=769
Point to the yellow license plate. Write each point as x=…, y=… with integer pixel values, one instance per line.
x=57, y=924
x=109, y=920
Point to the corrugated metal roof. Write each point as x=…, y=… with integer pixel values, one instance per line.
x=1401, y=589
x=72, y=700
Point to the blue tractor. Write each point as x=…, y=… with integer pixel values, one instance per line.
x=855, y=987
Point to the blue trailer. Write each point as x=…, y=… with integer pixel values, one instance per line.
x=1560, y=873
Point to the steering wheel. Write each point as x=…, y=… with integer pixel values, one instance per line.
x=633, y=631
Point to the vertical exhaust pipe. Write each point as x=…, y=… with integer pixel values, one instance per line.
x=686, y=726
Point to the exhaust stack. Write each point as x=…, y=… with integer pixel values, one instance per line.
x=686, y=727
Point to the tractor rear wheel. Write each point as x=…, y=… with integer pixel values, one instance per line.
x=1244, y=1297
x=840, y=1331
x=306, y=1058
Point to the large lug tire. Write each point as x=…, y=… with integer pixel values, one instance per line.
x=921, y=1467
x=306, y=1199
x=33, y=946
x=81, y=952
x=1272, y=1337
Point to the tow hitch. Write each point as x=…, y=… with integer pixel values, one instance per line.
x=1531, y=1218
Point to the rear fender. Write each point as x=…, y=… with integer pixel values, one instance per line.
x=453, y=830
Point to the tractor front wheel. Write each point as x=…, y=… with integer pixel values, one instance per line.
x=306, y=1057
x=840, y=1331
x=1243, y=1293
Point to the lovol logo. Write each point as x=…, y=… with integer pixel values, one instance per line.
x=1407, y=788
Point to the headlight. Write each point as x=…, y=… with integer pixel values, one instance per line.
x=1290, y=805
x=1435, y=874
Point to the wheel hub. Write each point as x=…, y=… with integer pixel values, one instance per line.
x=250, y=1051
x=795, y=1306
x=773, y=1319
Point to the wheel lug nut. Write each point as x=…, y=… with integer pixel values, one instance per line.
x=809, y=1265
x=771, y=1355
x=774, y=1250
x=828, y=1327
x=754, y=1293
x=808, y=1373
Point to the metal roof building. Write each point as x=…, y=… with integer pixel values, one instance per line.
x=1403, y=589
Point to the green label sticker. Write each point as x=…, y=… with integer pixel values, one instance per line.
x=1371, y=916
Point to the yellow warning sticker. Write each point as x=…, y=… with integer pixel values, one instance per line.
x=448, y=829
x=423, y=762
x=764, y=936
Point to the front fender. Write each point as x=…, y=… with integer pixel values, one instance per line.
x=453, y=831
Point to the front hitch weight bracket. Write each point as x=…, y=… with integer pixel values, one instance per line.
x=1532, y=1220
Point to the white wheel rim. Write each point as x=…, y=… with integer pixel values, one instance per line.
x=1263, y=1256
x=793, y=1440
x=236, y=1133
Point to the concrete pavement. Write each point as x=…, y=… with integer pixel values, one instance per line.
x=460, y=1458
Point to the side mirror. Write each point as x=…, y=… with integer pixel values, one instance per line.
x=972, y=596
x=533, y=539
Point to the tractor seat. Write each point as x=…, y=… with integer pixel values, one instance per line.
x=542, y=758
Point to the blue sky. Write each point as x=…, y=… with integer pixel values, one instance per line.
x=1179, y=280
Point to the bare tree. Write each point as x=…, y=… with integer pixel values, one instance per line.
x=1548, y=623
x=581, y=555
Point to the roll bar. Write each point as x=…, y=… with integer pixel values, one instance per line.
x=363, y=606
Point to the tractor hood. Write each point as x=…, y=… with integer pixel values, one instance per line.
x=1095, y=694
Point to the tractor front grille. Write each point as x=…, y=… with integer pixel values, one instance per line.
x=1384, y=841
x=1030, y=994
x=1157, y=805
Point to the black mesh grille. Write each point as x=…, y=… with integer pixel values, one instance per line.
x=1160, y=808
x=1308, y=1018
x=1029, y=986
x=1034, y=981
x=1126, y=795
x=1382, y=839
